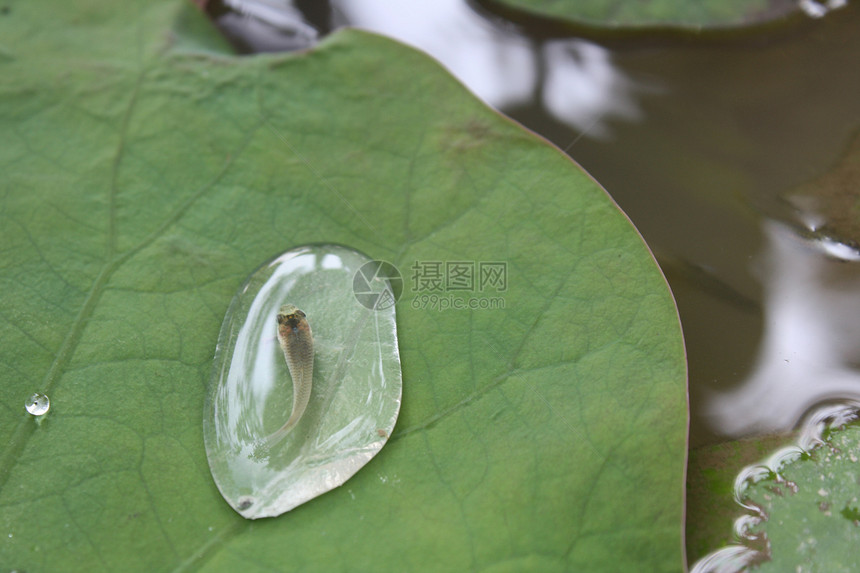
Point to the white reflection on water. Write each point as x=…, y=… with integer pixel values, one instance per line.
x=583, y=88
x=574, y=80
x=819, y=8
x=268, y=25
x=498, y=66
x=810, y=348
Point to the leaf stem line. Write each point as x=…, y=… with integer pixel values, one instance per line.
x=61, y=360
x=27, y=426
x=206, y=551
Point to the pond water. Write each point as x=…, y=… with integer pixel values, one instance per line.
x=701, y=139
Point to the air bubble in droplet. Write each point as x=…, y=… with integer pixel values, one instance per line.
x=38, y=404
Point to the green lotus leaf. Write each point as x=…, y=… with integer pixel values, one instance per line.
x=814, y=510
x=147, y=174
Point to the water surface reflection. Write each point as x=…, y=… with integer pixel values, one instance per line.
x=810, y=347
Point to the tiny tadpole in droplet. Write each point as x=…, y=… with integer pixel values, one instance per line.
x=297, y=342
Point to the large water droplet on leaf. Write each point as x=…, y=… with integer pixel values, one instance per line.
x=355, y=394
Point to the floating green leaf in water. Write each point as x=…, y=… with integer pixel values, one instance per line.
x=662, y=13
x=803, y=502
x=262, y=465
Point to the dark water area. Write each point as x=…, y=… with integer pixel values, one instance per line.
x=725, y=130
x=702, y=139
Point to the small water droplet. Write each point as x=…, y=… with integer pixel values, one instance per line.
x=38, y=404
